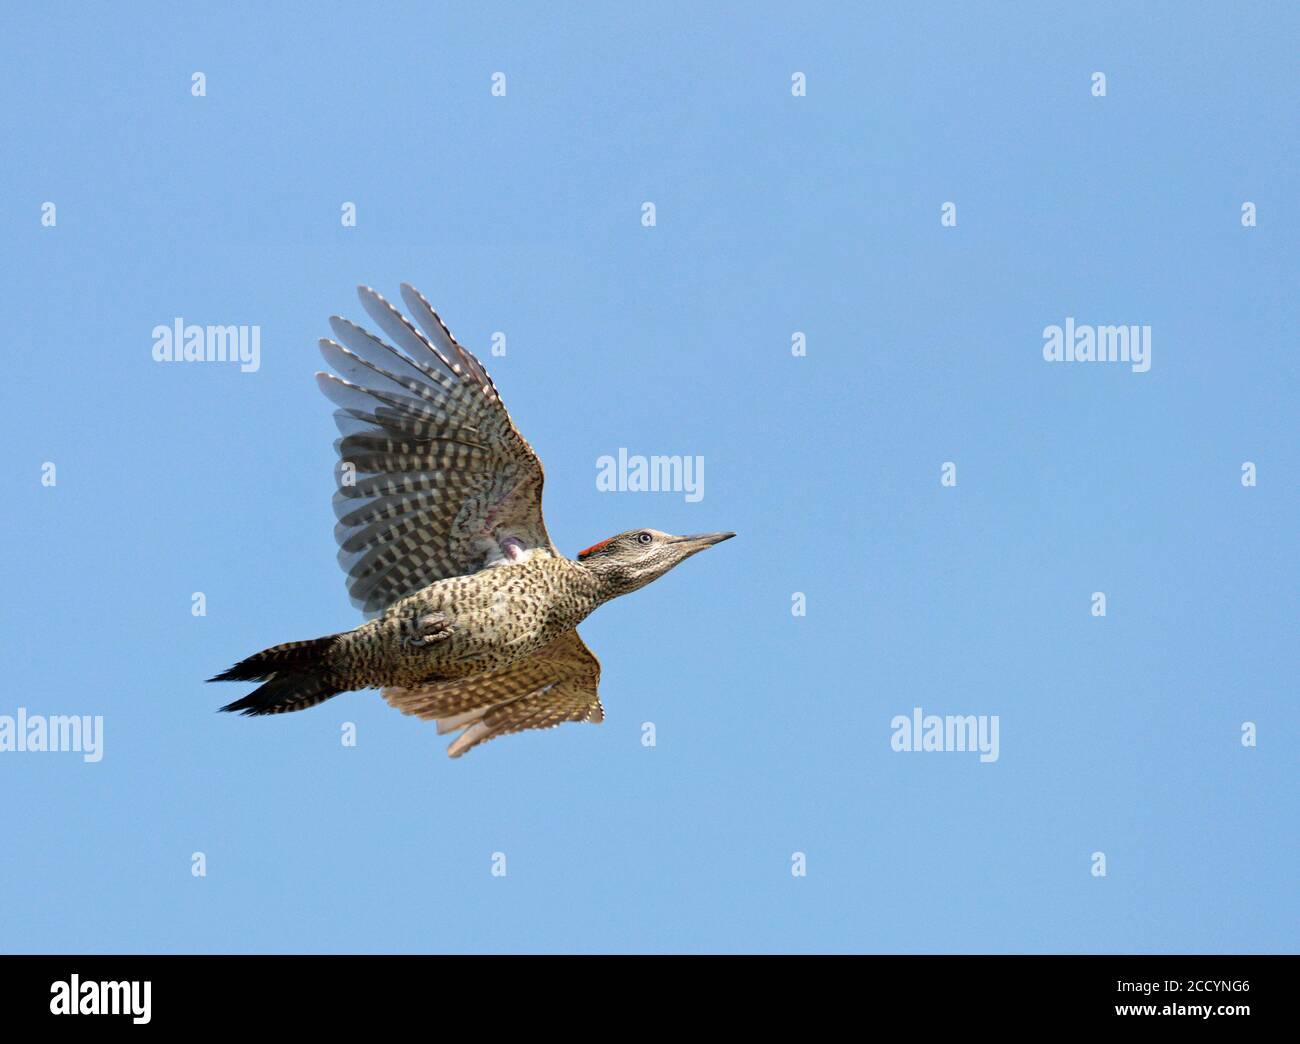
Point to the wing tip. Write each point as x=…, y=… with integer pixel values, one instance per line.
x=468, y=739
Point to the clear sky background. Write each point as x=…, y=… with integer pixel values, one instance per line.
x=775, y=214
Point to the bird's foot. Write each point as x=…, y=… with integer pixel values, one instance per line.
x=429, y=629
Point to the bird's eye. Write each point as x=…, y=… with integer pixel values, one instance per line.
x=643, y=538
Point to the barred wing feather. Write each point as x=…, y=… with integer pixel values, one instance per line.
x=434, y=477
x=558, y=683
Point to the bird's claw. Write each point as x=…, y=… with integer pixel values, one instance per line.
x=429, y=629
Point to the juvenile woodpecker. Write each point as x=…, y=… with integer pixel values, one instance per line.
x=439, y=503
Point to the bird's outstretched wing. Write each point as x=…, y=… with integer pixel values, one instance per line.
x=434, y=479
x=555, y=684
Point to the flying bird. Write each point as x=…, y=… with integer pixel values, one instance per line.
x=472, y=612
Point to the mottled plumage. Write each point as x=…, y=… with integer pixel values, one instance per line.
x=441, y=533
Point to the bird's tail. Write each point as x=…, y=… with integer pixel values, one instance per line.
x=296, y=675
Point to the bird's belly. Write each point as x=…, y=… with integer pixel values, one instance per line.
x=484, y=639
x=481, y=636
x=471, y=624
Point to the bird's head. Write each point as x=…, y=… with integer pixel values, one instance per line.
x=631, y=560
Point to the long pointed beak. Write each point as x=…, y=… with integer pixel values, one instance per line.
x=699, y=541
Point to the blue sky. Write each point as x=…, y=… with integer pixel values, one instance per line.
x=775, y=214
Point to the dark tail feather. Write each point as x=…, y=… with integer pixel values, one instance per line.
x=297, y=675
